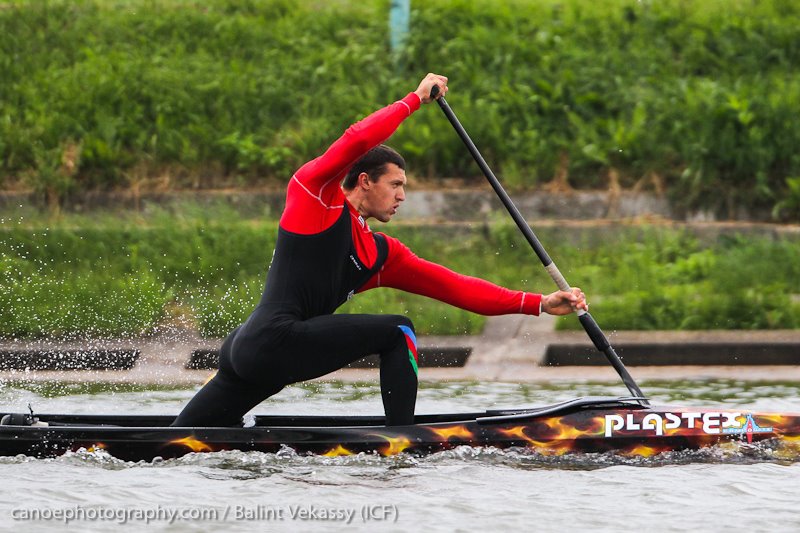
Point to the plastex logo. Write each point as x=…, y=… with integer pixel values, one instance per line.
x=711, y=423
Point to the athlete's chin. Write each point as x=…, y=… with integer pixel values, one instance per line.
x=386, y=217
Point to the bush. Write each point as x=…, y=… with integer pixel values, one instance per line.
x=702, y=93
x=125, y=274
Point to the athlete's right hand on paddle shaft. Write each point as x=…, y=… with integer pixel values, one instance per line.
x=564, y=302
x=427, y=83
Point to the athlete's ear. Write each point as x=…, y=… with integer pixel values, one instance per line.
x=364, y=181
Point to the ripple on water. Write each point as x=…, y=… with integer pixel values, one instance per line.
x=241, y=465
x=731, y=486
x=333, y=397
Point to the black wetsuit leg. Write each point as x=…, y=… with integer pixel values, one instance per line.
x=311, y=348
x=326, y=343
x=225, y=398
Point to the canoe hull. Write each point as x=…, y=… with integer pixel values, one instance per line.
x=625, y=428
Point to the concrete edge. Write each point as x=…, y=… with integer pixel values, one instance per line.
x=511, y=348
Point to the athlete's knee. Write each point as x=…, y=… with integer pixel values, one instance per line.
x=403, y=347
x=402, y=322
x=406, y=329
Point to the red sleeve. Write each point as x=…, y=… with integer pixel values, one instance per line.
x=405, y=271
x=320, y=177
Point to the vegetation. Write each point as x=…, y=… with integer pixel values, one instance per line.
x=697, y=98
x=668, y=280
x=130, y=274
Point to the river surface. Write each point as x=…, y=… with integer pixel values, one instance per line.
x=465, y=489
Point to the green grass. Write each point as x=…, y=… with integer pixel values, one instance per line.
x=124, y=274
x=698, y=95
x=669, y=281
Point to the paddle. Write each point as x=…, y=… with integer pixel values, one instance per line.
x=587, y=321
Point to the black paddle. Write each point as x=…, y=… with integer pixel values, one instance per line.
x=587, y=321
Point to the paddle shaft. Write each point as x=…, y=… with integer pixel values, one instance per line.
x=587, y=321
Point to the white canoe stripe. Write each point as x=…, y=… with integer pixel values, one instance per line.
x=522, y=303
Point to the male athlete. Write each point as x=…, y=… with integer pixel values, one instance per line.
x=325, y=252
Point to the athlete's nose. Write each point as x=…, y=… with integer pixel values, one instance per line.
x=401, y=194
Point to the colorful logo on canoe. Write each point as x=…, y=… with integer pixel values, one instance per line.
x=711, y=423
x=411, y=342
x=749, y=428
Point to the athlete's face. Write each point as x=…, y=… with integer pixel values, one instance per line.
x=384, y=196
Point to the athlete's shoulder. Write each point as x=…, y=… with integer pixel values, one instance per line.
x=308, y=213
x=397, y=250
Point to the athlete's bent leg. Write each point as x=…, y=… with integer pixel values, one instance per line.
x=323, y=344
x=315, y=347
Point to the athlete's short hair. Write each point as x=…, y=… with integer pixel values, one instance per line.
x=374, y=164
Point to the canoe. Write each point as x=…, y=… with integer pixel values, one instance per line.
x=582, y=425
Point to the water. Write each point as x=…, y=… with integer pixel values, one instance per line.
x=464, y=489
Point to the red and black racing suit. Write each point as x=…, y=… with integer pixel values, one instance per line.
x=325, y=252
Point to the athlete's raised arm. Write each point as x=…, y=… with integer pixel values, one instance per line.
x=321, y=176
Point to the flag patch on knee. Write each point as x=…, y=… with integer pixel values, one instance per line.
x=411, y=342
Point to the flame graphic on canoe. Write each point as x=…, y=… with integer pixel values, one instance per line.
x=338, y=451
x=547, y=447
x=395, y=444
x=558, y=435
x=454, y=432
x=635, y=431
x=570, y=433
x=641, y=450
x=193, y=444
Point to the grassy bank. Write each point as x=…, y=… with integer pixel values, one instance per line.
x=126, y=274
x=697, y=97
